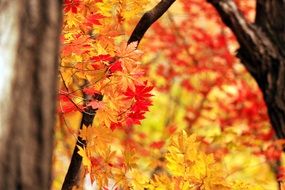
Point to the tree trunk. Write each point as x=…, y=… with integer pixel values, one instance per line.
x=29, y=44
x=262, y=51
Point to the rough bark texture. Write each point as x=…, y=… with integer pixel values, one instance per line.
x=29, y=38
x=262, y=51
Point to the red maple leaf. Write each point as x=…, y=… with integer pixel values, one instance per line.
x=94, y=19
x=102, y=57
x=140, y=106
x=71, y=5
x=135, y=118
x=141, y=92
x=114, y=126
x=116, y=66
x=66, y=105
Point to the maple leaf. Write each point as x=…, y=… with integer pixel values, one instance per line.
x=129, y=157
x=102, y=57
x=94, y=19
x=129, y=55
x=73, y=20
x=140, y=93
x=182, y=152
x=78, y=46
x=124, y=80
x=66, y=104
x=162, y=182
x=127, y=50
x=107, y=115
x=135, y=118
x=71, y=5
x=98, y=138
x=101, y=167
x=141, y=106
x=105, y=7
x=114, y=126
x=115, y=66
x=139, y=180
x=85, y=159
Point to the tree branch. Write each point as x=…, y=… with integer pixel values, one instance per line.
x=72, y=176
x=143, y=25
x=233, y=18
x=253, y=41
x=261, y=52
x=270, y=17
x=271, y=13
x=148, y=19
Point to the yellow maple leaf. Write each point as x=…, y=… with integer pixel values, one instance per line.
x=73, y=20
x=182, y=152
x=130, y=158
x=139, y=180
x=107, y=115
x=161, y=182
x=190, y=167
x=97, y=138
x=85, y=159
x=129, y=55
x=106, y=7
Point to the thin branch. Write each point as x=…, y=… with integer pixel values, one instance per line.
x=63, y=81
x=148, y=19
x=143, y=25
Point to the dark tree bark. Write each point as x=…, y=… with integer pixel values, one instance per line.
x=148, y=19
x=262, y=51
x=29, y=44
x=72, y=177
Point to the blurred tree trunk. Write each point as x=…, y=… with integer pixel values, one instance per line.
x=262, y=51
x=29, y=44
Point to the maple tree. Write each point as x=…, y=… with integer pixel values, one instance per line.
x=176, y=110
x=192, y=65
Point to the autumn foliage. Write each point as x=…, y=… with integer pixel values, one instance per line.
x=178, y=112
